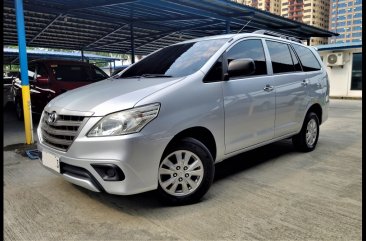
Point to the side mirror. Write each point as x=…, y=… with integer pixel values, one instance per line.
x=241, y=67
x=42, y=80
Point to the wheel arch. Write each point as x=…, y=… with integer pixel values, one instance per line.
x=317, y=109
x=199, y=133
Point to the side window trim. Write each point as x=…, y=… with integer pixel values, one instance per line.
x=223, y=67
x=298, y=57
x=268, y=57
x=225, y=60
x=292, y=50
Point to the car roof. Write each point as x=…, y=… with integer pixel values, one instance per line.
x=59, y=61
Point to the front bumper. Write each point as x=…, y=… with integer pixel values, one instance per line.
x=136, y=155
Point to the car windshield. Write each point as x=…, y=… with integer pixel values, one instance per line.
x=77, y=73
x=176, y=60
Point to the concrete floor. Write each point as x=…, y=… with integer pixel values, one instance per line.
x=272, y=193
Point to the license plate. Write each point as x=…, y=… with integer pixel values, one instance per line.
x=50, y=161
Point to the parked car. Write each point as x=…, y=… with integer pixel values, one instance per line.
x=7, y=83
x=49, y=78
x=166, y=120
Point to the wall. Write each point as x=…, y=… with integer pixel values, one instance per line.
x=340, y=78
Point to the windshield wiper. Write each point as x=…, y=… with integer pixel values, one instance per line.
x=147, y=76
x=155, y=75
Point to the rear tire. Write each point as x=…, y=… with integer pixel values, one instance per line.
x=307, y=139
x=186, y=172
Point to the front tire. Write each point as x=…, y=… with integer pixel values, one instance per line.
x=307, y=139
x=186, y=172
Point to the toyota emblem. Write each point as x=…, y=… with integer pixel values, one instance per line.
x=52, y=118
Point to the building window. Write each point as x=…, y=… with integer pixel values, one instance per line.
x=356, y=81
x=356, y=40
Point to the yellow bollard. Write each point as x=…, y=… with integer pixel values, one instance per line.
x=27, y=113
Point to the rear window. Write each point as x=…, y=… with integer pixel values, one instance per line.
x=77, y=73
x=307, y=58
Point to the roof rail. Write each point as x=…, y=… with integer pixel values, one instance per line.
x=271, y=33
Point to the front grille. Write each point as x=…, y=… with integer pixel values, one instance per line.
x=61, y=133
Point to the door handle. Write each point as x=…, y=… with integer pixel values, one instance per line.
x=304, y=82
x=268, y=88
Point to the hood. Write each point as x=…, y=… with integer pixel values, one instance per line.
x=109, y=95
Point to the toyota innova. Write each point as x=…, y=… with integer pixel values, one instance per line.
x=165, y=121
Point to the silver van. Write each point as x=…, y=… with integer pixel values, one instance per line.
x=165, y=121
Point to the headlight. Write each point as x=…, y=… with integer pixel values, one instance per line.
x=125, y=122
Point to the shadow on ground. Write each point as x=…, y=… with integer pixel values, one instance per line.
x=229, y=167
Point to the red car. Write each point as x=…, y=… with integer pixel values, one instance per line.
x=50, y=78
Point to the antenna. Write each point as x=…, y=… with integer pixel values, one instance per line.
x=245, y=25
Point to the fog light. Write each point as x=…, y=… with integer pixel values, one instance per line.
x=109, y=172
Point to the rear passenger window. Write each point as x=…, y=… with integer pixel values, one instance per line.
x=307, y=58
x=280, y=57
x=249, y=49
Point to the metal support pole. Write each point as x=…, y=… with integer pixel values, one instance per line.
x=308, y=41
x=27, y=112
x=114, y=65
x=82, y=55
x=227, y=26
x=132, y=45
x=110, y=68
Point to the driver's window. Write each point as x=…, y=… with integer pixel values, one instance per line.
x=252, y=49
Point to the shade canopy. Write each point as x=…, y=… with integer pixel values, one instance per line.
x=110, y=25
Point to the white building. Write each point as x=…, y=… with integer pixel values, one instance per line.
x=344, y=67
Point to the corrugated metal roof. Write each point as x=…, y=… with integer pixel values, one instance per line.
x=10, y=55
x=105, y=26
x=339, y=46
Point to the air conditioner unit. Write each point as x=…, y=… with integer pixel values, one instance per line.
x=335, y=59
